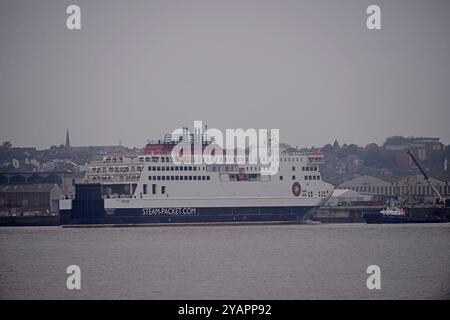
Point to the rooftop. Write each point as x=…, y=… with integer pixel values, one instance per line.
x=24, y=188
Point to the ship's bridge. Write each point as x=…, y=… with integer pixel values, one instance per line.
x=314, y=157
x=166, y=145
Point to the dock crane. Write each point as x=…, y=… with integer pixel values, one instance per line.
x=441, y=199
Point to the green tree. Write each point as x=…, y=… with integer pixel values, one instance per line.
x=328, y=148
x=6, y=145
x=336, y=144
x=397, y=141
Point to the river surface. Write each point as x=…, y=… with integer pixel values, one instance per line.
x=326, y=261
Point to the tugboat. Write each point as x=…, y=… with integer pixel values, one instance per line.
x=393, y=214
x=397, y=215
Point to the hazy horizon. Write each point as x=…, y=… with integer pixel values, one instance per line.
x=42, y=147
x=140, y=69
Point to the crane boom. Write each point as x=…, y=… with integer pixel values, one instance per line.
x=427, y=179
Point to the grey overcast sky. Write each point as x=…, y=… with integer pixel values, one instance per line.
x=139, y=69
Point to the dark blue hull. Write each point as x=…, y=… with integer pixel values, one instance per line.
x=88, y=208
x=376, y=217
x=226, y=215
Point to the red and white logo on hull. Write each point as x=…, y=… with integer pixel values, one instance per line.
x=296, y=189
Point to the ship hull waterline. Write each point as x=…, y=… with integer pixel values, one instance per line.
x=184, y=216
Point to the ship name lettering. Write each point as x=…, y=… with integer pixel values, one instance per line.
x=168, y=211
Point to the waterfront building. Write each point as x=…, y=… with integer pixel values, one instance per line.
x=29, y=199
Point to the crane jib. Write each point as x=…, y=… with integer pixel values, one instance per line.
x=436, y=191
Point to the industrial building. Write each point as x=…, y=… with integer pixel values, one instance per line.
x=65, y=180
x=368, y=185
x=412, y=186
x=29, y=199
x=422, y=148
x=346, y=197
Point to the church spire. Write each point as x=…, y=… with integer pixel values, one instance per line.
x=67, y=139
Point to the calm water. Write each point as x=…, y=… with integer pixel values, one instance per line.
x=242, y=262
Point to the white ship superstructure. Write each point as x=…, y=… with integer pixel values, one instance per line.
x=151, y=188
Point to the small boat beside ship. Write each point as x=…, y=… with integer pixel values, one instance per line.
x=397, y=215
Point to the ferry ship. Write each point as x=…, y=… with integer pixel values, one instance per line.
x=151, y=189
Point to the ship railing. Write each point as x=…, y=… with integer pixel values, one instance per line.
x=96, y=179
x=315, y=160
x=187, y=137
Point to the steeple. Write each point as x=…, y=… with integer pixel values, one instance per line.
x=67, y=139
